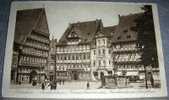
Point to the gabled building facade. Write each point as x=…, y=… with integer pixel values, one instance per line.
x=126, y=56
x=88, y=50
x=31, y=46
x=84, y=51
x=73, y=51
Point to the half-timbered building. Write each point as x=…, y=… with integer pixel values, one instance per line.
x=31, y=46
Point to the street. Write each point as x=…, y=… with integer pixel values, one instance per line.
x=66, y=85
x=74, y=85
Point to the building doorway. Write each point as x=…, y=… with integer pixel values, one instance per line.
x=33, y=75
x=75, y=75
x=13, y=76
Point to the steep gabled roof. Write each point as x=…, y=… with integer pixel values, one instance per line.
x=29, y=20
x=109, y=31
x=124, y=30
x=85, y=31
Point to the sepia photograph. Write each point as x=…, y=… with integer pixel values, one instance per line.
x=76, y=48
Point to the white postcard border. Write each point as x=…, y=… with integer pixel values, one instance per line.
x=102, y=93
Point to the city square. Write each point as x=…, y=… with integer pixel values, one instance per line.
x=88, y=55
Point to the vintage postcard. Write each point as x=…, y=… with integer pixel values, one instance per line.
x=83, y=50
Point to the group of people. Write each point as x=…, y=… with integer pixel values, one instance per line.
x=48, y=85
x=51, y=84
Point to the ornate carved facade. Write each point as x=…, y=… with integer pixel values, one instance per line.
x=88, y=49
x=31, y=43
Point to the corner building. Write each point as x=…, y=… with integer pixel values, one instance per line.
x=31, y=46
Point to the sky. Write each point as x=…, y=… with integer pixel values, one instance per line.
x=61, y=14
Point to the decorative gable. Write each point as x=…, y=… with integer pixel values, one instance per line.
x=42, y=25
x=99, y=34
x=72, y=35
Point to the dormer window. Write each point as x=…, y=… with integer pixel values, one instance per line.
x=125, y=31
x=119, y=37
x=72, y=35
x=128, y=36
x=104, y=42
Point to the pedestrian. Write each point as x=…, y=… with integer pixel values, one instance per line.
x=60, y=82
x=88, y=85
x=51, y=85
x=43, y=86
x=48, y=85
x=63, y=82
x=55, y=85
x=152, y=81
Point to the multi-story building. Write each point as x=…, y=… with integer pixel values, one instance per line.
x=88, y=50
x=73, y=51
x=31, y=46
x=84, y=51
x=125, y=54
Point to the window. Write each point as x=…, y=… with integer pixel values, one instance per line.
x=128, y=36
x=95, y=73
x=98, y=41
x=103, y=51
x=109, y=51
x=110, y=72
x=84, y=56
x=104, y=62
x=99, y=62
x=68, y=57
x=65, y=58
x=99, y=51
x=104, y=41
x=125, y=31
x=73, y=57
x=94, y=52
x=88, y=56
x=119, y=37
x=77, y=57
x=94, y=63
